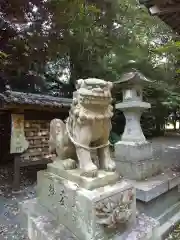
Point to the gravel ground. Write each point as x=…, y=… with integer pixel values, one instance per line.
x=9, y=211
x=167, y=149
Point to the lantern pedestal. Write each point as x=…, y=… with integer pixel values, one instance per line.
x=134, y=155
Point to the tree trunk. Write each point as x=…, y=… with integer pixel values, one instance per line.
x=174, y=124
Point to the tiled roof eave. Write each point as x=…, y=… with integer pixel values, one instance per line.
x=169, y=12
x=9, y=98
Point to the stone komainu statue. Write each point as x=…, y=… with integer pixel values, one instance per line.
x=87, y=128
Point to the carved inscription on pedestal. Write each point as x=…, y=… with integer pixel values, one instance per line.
x=51, y=190
x=63, y=197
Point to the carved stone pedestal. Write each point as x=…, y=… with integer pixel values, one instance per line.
x=89, y=214
x=65, y=207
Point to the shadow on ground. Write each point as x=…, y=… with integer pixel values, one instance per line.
x=9, y=212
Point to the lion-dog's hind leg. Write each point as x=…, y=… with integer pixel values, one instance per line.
x=59, y=142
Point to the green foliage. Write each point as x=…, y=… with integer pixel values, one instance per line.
x=3, y=58
x=2, y=55
x=175, y=234
x=89, y=38
x=173, y=48
x=93, y=38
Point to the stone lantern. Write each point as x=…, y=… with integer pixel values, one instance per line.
x=133, y=153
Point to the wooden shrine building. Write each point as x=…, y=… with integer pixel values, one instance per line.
x=167, y=10
x=26, y=117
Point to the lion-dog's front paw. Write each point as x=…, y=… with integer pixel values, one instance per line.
x=110, y=166
x=90, y=171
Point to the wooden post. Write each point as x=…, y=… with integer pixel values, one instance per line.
x=16, y=177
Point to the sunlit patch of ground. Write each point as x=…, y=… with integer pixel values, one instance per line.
x=170, y=126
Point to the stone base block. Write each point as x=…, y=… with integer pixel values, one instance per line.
x=103, y=178
x=138, y=170
x=154, y=187
x=42, y=225
x=135, y=160
x=158, y=197
x=95, y=214
x=133, y=151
